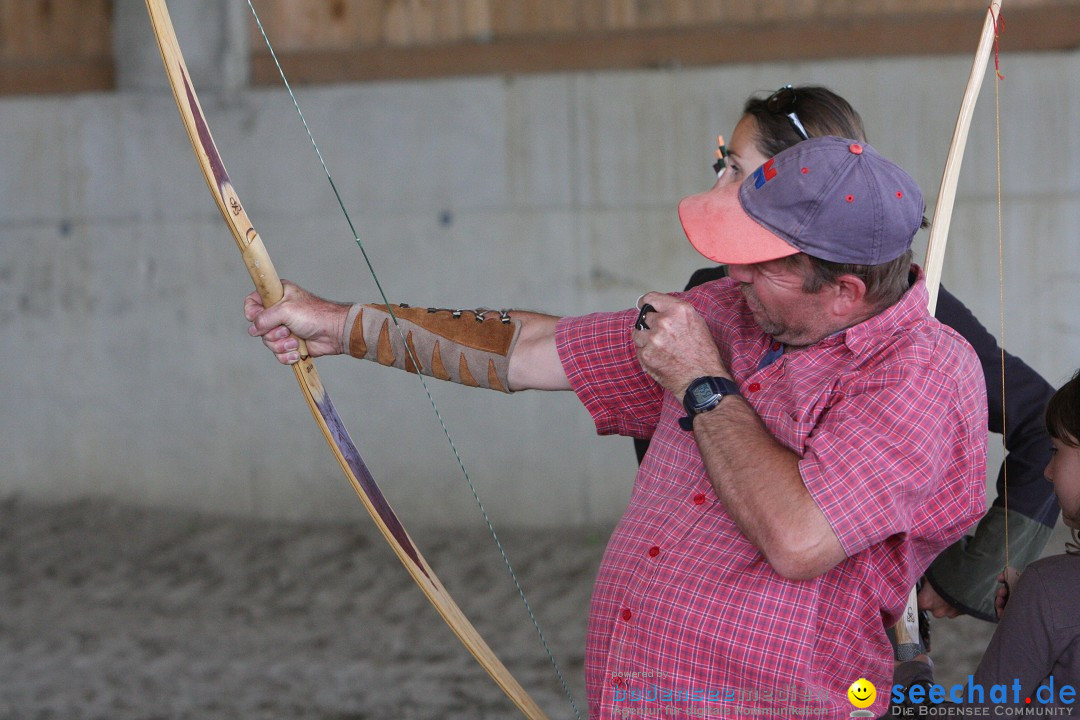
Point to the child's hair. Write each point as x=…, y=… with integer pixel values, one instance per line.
x=1063, y=424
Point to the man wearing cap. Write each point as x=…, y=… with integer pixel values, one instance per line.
x=817, y=437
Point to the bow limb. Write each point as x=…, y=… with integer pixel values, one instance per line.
x=939, y=229
x=907, y=628
x=322, y=409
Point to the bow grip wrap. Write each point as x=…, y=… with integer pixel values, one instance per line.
x=467, y=347
x=257, y=259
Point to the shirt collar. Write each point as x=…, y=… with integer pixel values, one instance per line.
x=910, y=310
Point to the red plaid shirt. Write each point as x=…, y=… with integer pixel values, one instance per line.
x=687, y=617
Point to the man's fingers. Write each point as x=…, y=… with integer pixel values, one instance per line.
x=643, y=299
x=279, y=333
x=252, y=306
x=259, y=327
x=289, y=358
x=265, y=322
x=280, y=340
x=286, y=349
x=271, y=324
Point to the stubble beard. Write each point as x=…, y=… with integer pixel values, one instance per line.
x=779, y=330
x=757, y=311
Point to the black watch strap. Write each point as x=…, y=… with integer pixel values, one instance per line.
x=704, y=394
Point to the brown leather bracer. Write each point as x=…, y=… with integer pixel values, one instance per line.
x=470, y=347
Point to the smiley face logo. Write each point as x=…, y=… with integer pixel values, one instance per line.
x=862, y=693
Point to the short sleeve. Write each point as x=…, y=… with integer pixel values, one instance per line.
x=895, y=454
x=600, y=361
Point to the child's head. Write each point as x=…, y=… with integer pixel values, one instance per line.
x=1063, y=413
x=1063, y=470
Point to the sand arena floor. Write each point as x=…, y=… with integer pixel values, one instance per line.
x=110, y=612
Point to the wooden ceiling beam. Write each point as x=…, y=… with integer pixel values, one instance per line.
x=1028, y=28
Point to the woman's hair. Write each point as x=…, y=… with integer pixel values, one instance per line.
x=1063, y=424
x=821, y=111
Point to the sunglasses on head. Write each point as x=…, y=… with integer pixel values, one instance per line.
x=782, y=102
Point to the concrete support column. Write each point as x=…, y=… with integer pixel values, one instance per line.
x=213, y=35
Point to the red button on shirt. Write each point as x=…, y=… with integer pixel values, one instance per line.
x=699, y=499
x=654, y=551
x=626, y=614
x=754, y=387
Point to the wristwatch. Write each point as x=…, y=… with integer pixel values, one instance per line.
x=702, y=395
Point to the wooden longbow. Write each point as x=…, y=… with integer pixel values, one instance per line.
x=269, y=286
x=907, y=629
x=939, y=230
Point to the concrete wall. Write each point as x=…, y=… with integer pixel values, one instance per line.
x=127, y=368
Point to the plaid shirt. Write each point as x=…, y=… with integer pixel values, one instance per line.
x=687, y=618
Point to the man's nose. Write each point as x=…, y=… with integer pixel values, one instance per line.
x=740, y=273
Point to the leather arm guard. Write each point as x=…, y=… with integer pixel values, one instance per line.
x=463, y=346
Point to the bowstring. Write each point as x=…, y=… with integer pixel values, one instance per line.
x=998, y=27
x=427, y=391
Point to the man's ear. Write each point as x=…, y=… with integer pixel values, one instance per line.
x=849, y=295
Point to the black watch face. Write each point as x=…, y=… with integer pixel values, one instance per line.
x=702, y=393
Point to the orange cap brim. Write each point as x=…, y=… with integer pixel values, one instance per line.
x=719, y=228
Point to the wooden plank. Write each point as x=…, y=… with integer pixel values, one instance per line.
x=50, y=46
x=57, y=77
x=65, y=45
x=1051, y=27
x=50, y=28
x=478, y=19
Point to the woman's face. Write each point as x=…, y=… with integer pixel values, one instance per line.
x=743, y=154
x=1063, y=471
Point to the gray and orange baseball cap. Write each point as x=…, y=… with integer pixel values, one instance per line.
x=828, y=197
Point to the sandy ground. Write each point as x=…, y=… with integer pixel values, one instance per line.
x=113, y=612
